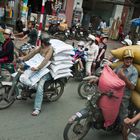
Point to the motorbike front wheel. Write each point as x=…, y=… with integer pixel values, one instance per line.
x=53, y=90
x=85, y=89
x=76, y=130
x=4, y=101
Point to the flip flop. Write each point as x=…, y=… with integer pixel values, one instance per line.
x=35, y=112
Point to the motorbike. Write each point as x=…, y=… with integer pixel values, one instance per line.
x=85, y=88
x=9, y=90
x=92, y=117
x=25, y=49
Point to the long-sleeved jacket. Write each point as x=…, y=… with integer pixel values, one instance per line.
x=7, y=50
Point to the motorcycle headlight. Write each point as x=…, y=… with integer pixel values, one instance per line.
x=89, y=97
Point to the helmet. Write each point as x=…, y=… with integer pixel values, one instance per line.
x=81, y=43
x=127, y=42
x=138, y=43
x=128, y=53
x=46, y=41
x=7, y=31
x=92, y=37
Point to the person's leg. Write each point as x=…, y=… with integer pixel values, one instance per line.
x=81, y=64
x=124, y=108
x=39, y=94
x=88, y=68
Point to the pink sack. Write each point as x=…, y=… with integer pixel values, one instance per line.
x=109, y=81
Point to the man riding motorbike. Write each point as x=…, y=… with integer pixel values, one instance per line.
x=30, y=33
x=46, y=51
x=129, y=74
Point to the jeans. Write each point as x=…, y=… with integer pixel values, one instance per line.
x=124, y=108
x=39, y=93
x=88, y=67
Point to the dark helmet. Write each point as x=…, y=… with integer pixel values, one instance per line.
x=46, y=41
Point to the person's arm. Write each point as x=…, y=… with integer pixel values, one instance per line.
x=17, y=34
x=24, y=37
x=47, y=58
x=129, y=84
x=133, y=120
x=101, y=53
x=96, y=54
x=30, y=55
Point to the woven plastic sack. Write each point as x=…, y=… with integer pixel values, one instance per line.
x=110, y=82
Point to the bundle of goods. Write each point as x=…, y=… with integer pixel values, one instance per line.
x=63, y=26
x=62, y=60
x=109, y=81
x=118, y=53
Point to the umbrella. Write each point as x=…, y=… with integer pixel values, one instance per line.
x=135, y=22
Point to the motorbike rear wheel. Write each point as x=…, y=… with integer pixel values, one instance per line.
x=53, y=90
x=4, y=102
x=85, y=89
x=76, y=130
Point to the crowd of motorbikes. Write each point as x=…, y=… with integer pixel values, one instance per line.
x=76, y=32
x=82, y=121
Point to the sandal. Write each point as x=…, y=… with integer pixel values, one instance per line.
x=35, y=112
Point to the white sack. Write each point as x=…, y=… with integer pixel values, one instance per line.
x=62, y=58
x=30, y=77
x=60, y=46
x=55, y=68
x=63, y=75
x=62, y=62
x=61, y=71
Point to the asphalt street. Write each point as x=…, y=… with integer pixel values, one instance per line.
x=16, y=122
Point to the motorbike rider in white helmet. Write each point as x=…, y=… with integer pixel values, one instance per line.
x=80, y=55
x=127, y=42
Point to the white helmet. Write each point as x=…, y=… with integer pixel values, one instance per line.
x=127, y=42
x=81, y=43
x=92, y=37
x=138, y=43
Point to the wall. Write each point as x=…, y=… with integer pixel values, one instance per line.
x=117, y=11
x=80, y=3
x=69, y=11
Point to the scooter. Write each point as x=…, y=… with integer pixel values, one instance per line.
x=86, y=88
x=53, y=89
x=91, y=116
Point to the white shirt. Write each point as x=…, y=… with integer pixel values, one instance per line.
x=102, y=25
x=92, y=52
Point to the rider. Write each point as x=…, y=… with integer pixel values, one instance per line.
x=80, y=55
x=92, y=52
x=7, y=48
x=31, y=32
x=102, y=50
x=46, y=51
x=129, y=74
